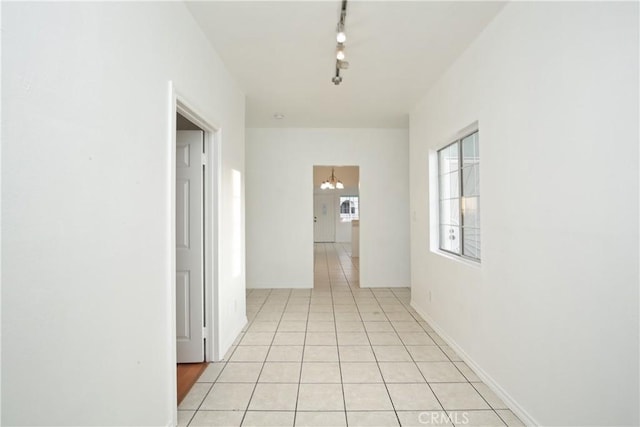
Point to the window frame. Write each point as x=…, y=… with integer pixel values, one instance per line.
x=349, y=216
x=460, y=175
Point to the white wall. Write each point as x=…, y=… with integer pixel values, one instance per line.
x=86, y=302
x=551, y=316
x=279, y=190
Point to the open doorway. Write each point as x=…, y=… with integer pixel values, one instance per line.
x=194, y=201
x=336, y=226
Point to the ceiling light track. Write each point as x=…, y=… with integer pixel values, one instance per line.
x=341, y=38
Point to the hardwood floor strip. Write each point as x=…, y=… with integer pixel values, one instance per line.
x=188, y=374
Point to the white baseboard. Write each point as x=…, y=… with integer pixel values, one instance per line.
x=224, y=347
x=484, y=376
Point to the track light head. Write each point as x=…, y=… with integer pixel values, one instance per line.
x=336, y=80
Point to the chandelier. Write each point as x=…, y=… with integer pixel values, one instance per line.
x=332, y=182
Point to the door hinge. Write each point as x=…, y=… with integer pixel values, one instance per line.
x=205, y=332
x=204, y=159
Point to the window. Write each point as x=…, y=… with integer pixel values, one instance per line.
x=459, y=197
x=349, y=208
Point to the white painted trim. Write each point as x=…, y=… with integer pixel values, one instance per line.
x=524, y=416
x=212, y=214
x=179, y=104
x=170, y=288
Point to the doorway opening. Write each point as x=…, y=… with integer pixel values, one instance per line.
x=336, y=227
x=194, y=180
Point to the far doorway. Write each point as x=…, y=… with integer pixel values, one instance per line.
x=336, y=225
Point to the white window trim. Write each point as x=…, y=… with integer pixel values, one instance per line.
x=434, y=201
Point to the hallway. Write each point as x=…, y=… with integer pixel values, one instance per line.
x=339, y=355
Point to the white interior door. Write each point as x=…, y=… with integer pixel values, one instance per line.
x=189, y=246
x=324, y=217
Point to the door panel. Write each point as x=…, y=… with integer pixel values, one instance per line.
x=189, y=247
x=324, y=213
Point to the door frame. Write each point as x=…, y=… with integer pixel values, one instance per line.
x=212, y=179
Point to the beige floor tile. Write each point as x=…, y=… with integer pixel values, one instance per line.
x=476, y=418
x=410, y=397
x=427, y=353
x=372, y=419
x=345, y=309
x=400, y=372
x=353, y=338
x=321, y=338
x=353, y=326
x=458, y=396
x=384, y=338
x=257, y=338
x=391, y=353
x=381, y=326
x=415, y=338
x=366, y=397
x=321, y=326
x=441, y=372
x=280, y=372
x=374, y=316
x=268, y=316
x=263, y=327
x=217, y=419
x=228, y=397
x=184, y=417
x=467, y=372
x=320, y=397
x=321, y=419
x=268, y=419
x=274, y=397
x=285, y=353
x=407, y=326
x=295, y=315
x=435, y=337
x=320, y=353
x=292, y=326
x=369, y=306
x=249, y=353
x=347, y=317
x=196, y=395
x=400, y=316
x=321, y=316
x=510, y=418
x=453, y=356
x=321, y=372
x=353, y=353
x=360, y=372
x=211, y=373
x=289, y=338
x=240, y=372
x=492, y=399
x=424, y=418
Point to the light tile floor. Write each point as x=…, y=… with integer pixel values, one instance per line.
x=339, y=355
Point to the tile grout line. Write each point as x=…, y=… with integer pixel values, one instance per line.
x=335, y=327
x=255, y=386
x=223, y=368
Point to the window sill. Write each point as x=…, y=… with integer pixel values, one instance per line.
x=460, y=259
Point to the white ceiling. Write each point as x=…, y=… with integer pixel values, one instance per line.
x=282, y=54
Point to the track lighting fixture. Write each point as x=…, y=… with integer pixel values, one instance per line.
x=341, y=37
